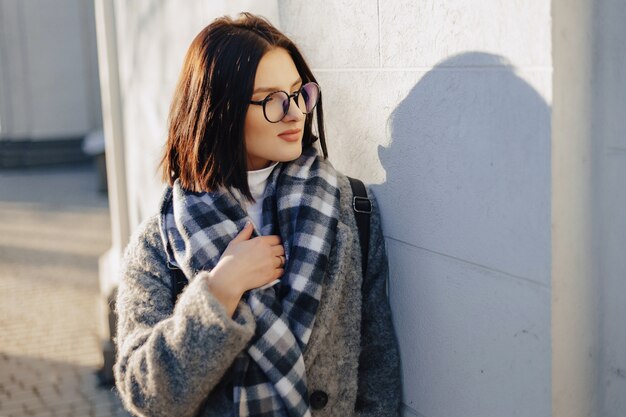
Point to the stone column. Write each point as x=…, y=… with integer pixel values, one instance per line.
x=116, y=175
x=588, y=200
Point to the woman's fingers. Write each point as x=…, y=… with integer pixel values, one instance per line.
x=278, y=250
x=279, y=261
x=244, y=234
x=270, y=240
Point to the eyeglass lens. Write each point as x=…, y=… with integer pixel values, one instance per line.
x=277, y=104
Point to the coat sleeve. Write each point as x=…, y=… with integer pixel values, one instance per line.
x=379, y=386
x=170, y=358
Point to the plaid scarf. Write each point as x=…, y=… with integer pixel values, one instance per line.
x=301, y=204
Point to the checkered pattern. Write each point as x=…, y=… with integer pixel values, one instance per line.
x=301, y=204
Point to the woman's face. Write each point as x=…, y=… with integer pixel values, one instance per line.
x=282, y=141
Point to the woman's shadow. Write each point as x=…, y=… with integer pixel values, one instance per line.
x=466, y=214
x=468, y=167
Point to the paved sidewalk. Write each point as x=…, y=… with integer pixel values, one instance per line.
x=53, y=227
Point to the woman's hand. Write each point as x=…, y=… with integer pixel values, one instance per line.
x=246, y=264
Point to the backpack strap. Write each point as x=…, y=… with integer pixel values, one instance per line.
x=362, y=207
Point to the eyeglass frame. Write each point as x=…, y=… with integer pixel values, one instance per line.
x=289, y=97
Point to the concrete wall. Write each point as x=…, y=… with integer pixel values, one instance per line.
x=609, y=133
x=445, y=108
x=48, y=70
x=610, y=105
x=153, y=37
x=589, y=227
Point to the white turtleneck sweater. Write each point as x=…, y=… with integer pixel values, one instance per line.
x=257, y=181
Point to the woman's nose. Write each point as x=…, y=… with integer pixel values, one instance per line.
x=293, y=113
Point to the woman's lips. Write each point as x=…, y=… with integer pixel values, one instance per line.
x=292, y=135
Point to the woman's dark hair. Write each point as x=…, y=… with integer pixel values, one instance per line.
x=205, y=146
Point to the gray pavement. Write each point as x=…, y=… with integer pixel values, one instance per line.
x=53, y=227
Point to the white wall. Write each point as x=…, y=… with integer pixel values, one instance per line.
x=445, y=107
x=610, y=130
x=48, y=70
x=589, y=227
x=153, y=37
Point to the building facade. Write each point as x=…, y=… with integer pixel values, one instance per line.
x=493, y=139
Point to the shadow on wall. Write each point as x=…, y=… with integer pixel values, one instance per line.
x=466, y=206
x=470, y=158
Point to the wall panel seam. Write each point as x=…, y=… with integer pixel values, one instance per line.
x=464, y=68
x=474, y=264
x=616, y=150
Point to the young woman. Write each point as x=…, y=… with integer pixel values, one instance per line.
x=278, y=318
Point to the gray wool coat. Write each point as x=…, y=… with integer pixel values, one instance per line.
x=174, y=360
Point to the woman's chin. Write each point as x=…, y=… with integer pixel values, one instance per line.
x=288, y=156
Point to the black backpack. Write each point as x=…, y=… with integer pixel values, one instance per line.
x=362, y=207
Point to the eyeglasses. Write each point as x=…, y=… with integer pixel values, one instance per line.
x=276, y=104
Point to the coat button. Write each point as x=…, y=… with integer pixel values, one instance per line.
x=318, y=400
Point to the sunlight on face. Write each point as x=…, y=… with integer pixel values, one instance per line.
x=282, y=141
